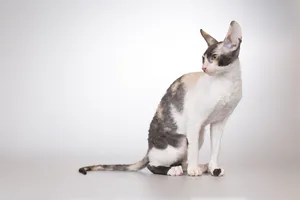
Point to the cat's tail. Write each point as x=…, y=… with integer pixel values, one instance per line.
x=131, y=167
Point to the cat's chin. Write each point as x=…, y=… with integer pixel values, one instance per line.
x=210, y=73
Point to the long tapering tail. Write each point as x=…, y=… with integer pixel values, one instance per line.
x=130, y=167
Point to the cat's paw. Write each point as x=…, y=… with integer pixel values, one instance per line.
x=175, y=171
x=216, y=171
x=195, y=171
x=204, y=168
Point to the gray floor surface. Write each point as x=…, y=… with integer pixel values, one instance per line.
x=36, y=178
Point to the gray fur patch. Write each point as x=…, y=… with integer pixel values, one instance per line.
x=210, y=50
x=163, y=130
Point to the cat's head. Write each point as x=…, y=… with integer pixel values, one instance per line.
x=219, y=56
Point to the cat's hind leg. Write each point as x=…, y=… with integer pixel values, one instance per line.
x=167, y=159
x=175, y=170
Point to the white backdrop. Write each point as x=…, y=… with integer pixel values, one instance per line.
x=83, y=78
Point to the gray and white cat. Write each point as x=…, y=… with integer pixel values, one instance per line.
x=192, y=102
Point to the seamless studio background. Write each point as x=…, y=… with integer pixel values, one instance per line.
x=80, y=82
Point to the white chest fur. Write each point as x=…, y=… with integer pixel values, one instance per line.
x=214, y=98
x=224, y=97
x=211, y=100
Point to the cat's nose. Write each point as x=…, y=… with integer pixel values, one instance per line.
x=204, y=69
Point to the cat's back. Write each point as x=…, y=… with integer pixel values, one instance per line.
x=177, y=91
x=169, y=114
x=175, y=94
x=190, y=80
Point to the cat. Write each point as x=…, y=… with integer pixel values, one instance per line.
x=192, y=102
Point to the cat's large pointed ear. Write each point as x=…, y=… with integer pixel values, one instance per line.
x=209, y=39
x=234, y=36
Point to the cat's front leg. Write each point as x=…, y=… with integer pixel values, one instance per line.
x=216, y=132
x=193, y=129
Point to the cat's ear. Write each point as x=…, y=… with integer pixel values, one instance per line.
x=209, y=39
x=234, y=36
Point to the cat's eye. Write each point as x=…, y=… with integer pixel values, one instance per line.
x=203, y=59
x=214, y=57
